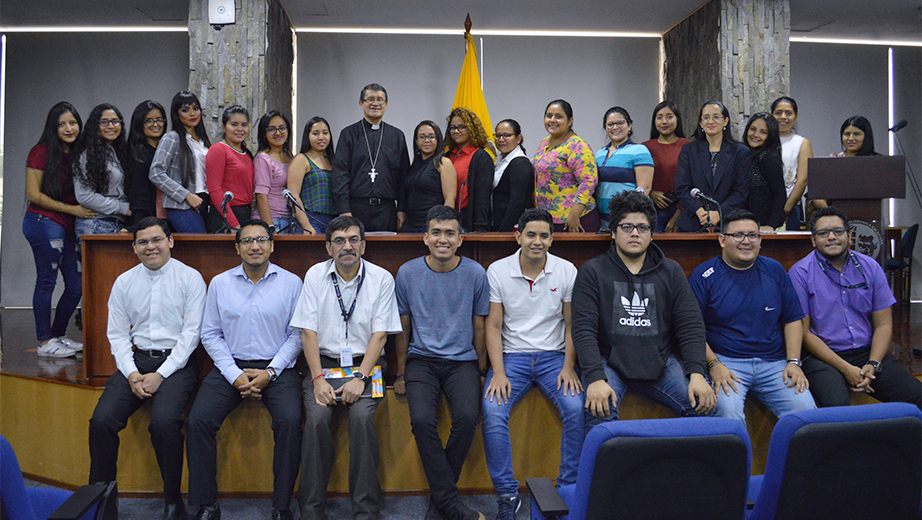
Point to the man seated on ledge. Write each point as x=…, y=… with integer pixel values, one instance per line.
x=155, y=309
x=529, y=343
x=246, y=332
x=346, y=310
x=848, y=327
x=442, y=298
x=626, y=305
x=752, y=316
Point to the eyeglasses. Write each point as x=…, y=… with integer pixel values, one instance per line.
x=739, y=236
x=619, y=124
x=106, y=122
x=340, y=241
x=375, y=101
x=155, y=241
x=708, y=119
x=249, y=240
x=277, y=129
x=430, y=137
x=504, y=136
x=150, y=122
x=643, y=229
x=457, y=129
x=839, y=232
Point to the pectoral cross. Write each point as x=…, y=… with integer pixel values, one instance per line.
x=372, y=174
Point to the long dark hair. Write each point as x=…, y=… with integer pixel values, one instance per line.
x=773, y=143
x=306, y=137
x=137, y=141
x=439, y=145
x=225, y=117
x=54, y=158
x=679, y=131
x=95, y=172
x=518, y=132
x=262, y=144
x=861, y=123
x=186, y=160
x=727, y=134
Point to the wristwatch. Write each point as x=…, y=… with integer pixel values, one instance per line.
x=875, y=364
x=796, y=361
x=360, y=376
x=272, y=375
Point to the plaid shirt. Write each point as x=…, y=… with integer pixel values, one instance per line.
x=316, y=192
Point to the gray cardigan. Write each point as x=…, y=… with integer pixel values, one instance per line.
x=113, y=203
x=166, y=172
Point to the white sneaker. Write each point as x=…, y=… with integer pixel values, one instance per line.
x=72, y=343
x=55, y=348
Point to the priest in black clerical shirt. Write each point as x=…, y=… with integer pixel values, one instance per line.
x=370, y=165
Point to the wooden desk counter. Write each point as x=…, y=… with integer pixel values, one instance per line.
x=105, y=257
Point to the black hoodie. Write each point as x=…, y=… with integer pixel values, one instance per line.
x=629, y=320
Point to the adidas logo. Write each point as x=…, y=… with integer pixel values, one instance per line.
x=635, y=309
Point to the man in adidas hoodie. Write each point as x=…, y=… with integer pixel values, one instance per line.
x=627, y=306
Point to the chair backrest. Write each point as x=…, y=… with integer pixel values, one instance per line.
x=908, y=242
x=663, y=468
x=12, y=488
x=844, y=462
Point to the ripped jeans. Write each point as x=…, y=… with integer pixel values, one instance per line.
x=55, y=249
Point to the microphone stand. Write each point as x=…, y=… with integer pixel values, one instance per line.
x=225, y=227
x=293, y=221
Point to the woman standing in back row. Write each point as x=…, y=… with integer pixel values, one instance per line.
x=667, y=137
x=795, y=151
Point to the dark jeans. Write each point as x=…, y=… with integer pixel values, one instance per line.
x=215, y=401
x=118, y=403
x=55, y=249
x=591, y=222
x=426, y=380
x=892, y=384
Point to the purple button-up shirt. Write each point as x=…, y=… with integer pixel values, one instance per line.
x=840, y=316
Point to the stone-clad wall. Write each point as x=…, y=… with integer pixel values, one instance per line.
x=247, y=63
x=736, y=51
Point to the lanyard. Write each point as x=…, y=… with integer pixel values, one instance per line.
x=347, y=315
x=863, y=285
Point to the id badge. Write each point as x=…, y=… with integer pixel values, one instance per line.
x=345, y=357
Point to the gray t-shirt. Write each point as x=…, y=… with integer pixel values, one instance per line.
x=442, y=306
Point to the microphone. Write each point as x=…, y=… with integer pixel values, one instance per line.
x=290, y=198
x=899, y=126
x=698, y=194
x=640, y=189
x=228, y=196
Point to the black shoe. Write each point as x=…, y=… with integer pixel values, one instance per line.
x=174, y=511
x=281, y=515
x=212, y=512
x=433, y=512
x=462, y=512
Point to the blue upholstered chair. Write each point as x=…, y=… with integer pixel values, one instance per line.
x=861, y=461
x=95, y=502
x=658, y=468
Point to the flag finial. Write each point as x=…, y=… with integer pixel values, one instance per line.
x=467, y=24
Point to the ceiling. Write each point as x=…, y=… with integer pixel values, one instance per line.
x=892, y=20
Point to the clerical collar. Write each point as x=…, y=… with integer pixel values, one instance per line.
x=372, y=125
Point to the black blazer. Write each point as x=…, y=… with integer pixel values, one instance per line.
x=729, y=185
x=514, y=194
x=476, y=216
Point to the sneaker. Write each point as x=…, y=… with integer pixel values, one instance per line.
x=433, y=513
x=72, y=343
x=462, y=512
x=55, y=348
x=508, y=506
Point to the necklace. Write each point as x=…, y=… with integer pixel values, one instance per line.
x=238, y=150
x=373, y=173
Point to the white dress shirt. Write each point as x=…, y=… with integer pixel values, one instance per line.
x=318, y=309
x=156, y=310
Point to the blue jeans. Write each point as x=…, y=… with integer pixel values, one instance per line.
x=524, y=370
x=319, y=221
x=670, y=390
x=97, y=226
x=186, y=220
x=794, y=218
x=283, y=223
x=765, y=379
x=55, y=249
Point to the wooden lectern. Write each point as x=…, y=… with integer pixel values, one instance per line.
x=856, y=185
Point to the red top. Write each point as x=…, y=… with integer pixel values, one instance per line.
x=461, y=160
x=665, y=163
x=36, y=160
x=226, y=170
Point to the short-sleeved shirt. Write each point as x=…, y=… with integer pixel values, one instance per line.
x=271, y=180
x=318, y=308
x=616, y=173
x=745, y=310
x=565, y=175
x=665, y=162
x=840, y=304
x=38, y=156
x=532, y=309
x=442, y=306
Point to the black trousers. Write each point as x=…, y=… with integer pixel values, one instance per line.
x=892, y=384
x=118, y=403
x=379, y=217
x=215, y=401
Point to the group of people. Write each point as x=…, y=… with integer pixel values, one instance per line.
x=482, y=338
